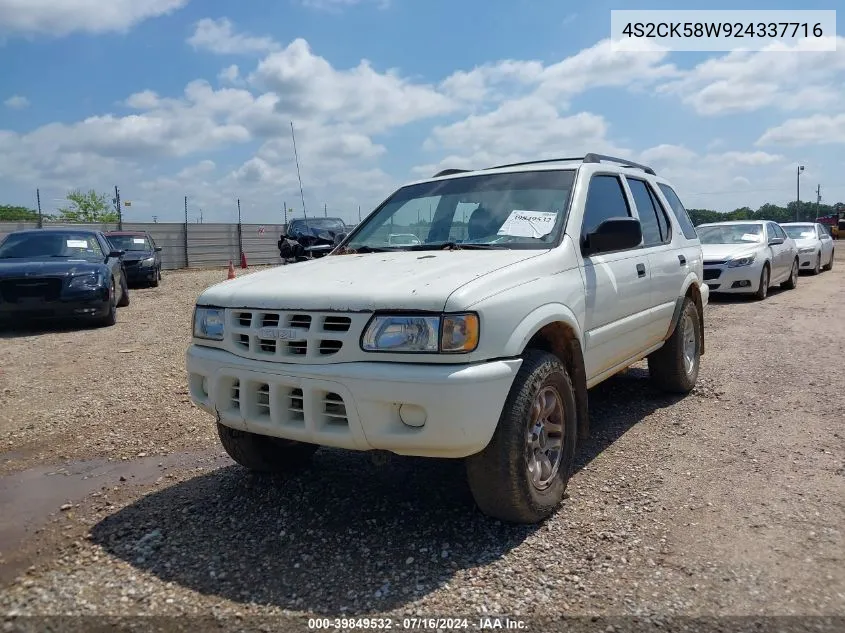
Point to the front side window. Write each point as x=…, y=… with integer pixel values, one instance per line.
x=605, y=199
x=522, y=210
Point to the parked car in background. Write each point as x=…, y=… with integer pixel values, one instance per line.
x=141, y=259
x=482, y=349
x=402, y=239
x=310, y=238
x=815, y=245
x=748, y=257
x=60, y=273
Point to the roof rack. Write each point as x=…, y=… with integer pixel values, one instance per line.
x=449, y=172
x=588, y=158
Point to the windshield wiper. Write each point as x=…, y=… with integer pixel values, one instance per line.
x=455, y=246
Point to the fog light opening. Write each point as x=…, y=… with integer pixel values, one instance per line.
x=412, y=415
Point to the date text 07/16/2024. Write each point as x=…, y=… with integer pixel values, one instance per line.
x=418, y=624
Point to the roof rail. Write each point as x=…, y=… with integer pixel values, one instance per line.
x=538, y=162
x=597, y=158
x=449, y=172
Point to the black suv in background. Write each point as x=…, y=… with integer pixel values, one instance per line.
x=141, y=259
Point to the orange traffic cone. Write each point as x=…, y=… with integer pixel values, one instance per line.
x=231, y=270
x=243, y=260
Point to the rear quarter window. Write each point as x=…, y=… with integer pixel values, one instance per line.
x=681, y=214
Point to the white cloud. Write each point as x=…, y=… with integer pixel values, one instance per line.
x=819, y=129
x=307, y=85
x=16, y=102
x=337, y=5
x=783, y=77
x=219, y=36
x=230, y=75
x=61, y=17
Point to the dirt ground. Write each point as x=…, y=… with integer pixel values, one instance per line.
x=115, y=497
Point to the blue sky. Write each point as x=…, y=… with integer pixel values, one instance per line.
x=167, y=98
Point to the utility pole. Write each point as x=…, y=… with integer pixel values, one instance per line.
x=286, y=213
x=40, y=218
x=200, y=216
x=119, y=212
x=818, y=200
x=798, y=190
x=359, y=214
x=326, y=210
x=155, y=219
x=185, y=230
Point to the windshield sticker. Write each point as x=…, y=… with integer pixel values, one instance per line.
x=522, y=223
x=138, y=240
x=77, y=244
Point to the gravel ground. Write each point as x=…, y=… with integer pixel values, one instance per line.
x=730, y=501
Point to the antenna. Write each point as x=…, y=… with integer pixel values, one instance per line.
x=298, y=175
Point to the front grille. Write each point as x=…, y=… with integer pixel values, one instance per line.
x=711, y=274
x=293, y=336
x=715, y=262
x=43, y=289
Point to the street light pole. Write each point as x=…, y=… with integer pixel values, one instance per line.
x=798, y=190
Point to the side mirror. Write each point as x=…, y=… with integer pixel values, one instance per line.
x=158, y=249
x=614, y=234
x=117, y=253
x=775, y=241
x=339, y=237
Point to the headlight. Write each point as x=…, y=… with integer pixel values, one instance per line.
x=449, y=333
x=148, y=262
x=807, y=249
x=209, y=323
x=745, y=260
x=88, y=280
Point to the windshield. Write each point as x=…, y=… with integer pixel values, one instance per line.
x=518, y=210
x=731, y=234
x=130, y=243
x=51, y=244
x=315, y=226
x=805, y=232
x=403, y=240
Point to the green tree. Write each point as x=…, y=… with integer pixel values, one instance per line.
x=12, y=213
x=87, y=207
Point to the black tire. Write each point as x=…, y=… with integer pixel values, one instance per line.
x=792, y=282
x=265, y=454
x=124, y=295
x=818, y=267
x=499, y=476
x=156, y=279
x=111, y=318
x=668, y=367
x=830, y=264
x=763, y=290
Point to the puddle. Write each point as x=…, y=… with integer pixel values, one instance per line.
x=29, y=498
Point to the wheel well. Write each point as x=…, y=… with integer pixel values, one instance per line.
x=694, y=294
x=559, y=339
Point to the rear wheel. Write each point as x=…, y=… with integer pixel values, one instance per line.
x=792, y=282
x=265, y=454
x=763, y=290
x=674, y=367
x=522, y=474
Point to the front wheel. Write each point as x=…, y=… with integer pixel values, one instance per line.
x=763, y=290
x=265, y=454
x=124, y=293
x=674, y=367
x=792, y=282
x=830, y=263
x=111, y=318
x=522, y=474
x=818, y=267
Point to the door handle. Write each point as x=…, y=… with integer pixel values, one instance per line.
x=682, y=259
x=640, y=270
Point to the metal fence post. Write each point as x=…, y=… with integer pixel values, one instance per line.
x=240, y=234
x=187, y=264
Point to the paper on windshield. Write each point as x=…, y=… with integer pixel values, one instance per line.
x=138, y=240
x=750, y=237
x=522, y=223
x=77, y=244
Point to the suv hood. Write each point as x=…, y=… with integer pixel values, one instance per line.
x=404, y=280
x=719, y=252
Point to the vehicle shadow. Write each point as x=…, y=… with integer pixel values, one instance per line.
x=36, y=328
x=349, y=535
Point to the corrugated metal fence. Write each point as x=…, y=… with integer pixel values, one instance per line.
x=204, y=245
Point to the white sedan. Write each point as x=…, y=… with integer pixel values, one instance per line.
x=747, y=257
x=815, y=245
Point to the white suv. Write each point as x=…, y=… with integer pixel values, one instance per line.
x=478, y=343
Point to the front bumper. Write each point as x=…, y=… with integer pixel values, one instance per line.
x=807, y=261
x=739, y=280
x=358, y=406
x=92, y=306
x=139, y=273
